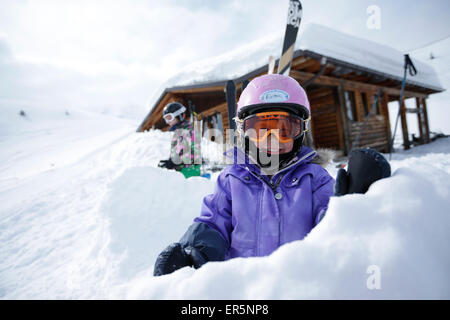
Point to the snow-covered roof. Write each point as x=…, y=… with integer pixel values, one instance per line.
x=321, y=40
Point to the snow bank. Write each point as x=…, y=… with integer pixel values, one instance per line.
x=92, y=226
x=399, y=229
x=146, y=208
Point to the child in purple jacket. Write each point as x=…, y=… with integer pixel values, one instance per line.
x=276, y=191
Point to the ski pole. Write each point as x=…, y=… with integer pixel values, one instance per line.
x=408, y=66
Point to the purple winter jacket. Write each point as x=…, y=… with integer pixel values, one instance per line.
x=255, y=215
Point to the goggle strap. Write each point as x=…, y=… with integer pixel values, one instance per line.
x=176, y=113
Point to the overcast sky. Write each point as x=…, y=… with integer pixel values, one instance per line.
x=100, y=53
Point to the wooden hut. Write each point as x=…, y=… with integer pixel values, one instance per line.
x=341, y=94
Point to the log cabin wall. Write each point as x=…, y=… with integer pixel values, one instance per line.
x=331, y=127
x=376, y=134
x=325, y=123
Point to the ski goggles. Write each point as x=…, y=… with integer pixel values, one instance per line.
x=169, y=117
x=283, y=125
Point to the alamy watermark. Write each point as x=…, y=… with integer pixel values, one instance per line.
x=373, y=21
x=188, y=151
x=374, y=280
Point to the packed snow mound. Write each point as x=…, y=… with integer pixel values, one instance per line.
x=145, y=208
x=92, y=228
x=399, y=230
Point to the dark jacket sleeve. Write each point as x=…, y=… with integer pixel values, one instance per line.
x=201, y=238
x=322, y=192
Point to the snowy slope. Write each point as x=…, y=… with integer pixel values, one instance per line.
x=400, y=226
x=92, y=225
x=48, y=138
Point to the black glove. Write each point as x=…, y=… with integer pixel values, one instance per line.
x=365, y=166
x=168, y=164
x=199, y=244
x=175, y=257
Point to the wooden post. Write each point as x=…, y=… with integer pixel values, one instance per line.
x=425, y=118
x=385, y=111
x=406, y=143
x=359, y=106
x=420, y=119
x=309, y=137
x=342, y=109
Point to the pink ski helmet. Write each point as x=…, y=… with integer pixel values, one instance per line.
x=273, y=90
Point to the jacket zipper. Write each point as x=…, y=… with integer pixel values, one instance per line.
x=274, y=188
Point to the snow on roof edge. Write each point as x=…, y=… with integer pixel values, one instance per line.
x=341, y=47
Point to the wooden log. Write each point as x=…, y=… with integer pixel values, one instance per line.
x=320, y=93
x=322, y=102
x=345, y=124
x=425, y=118
x=326, y=127
x=404, y=123
x=352, y=85
x=420, y=120
x=298, y=61
x=209, y=112
x=360, y=115
x=196, y=90
x=307, y=64
x=323, y=115
x=385, y=112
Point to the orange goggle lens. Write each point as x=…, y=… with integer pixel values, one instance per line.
x=283, y=125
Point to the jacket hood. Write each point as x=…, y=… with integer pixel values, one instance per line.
x=324, y=157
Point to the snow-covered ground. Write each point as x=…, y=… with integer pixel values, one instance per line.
x=84, y=211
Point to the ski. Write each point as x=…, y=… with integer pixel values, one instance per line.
x=230, y=92
x=245, y=84
x=290, y=36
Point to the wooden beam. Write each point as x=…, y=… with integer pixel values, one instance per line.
x=305, y=64
x=360, y=114
x=219, y=108
x=197, y=90
x=406, y=143
x=341, y=71
x=343, y=117
x=420, y=120
x=425, y=118
x=298, y=61
x=351, y=85
x=385, y=111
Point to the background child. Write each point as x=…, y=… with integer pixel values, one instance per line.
x=185, y=153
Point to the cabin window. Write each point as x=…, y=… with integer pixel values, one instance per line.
x=211, y=126
x=365, y=103
x=350, y=105
x=377, y=111
x=367, y=107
